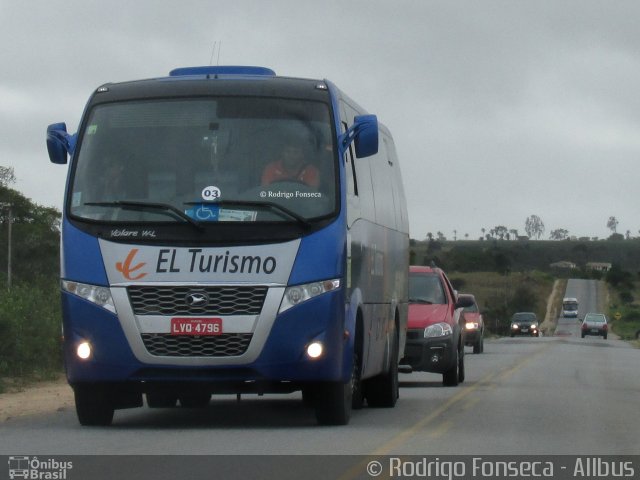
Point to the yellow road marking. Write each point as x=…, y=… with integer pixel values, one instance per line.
x=490, y=380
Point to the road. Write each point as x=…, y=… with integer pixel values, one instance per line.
x=540, y=396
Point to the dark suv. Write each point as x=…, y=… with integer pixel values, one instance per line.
x=435, y=335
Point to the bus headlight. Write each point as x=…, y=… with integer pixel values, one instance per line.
x=101, y=296
x=84, y=350
x=301, y=293
x=314, y=350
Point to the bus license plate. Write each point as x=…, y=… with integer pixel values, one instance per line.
x=196, y=326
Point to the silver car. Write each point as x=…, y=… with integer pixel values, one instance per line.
x=595, y=324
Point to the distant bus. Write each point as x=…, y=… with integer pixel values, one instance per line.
x=570, y=307
x=226, y=230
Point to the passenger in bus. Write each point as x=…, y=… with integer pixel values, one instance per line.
x=292, y=167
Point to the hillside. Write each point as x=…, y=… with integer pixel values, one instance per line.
x=524, y=255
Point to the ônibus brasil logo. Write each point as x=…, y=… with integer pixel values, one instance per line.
x=127, y=269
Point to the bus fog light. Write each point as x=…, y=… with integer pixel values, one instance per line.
x=314, y=350
x=84, y=350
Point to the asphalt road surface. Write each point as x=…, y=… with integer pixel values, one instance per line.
x=528, y=396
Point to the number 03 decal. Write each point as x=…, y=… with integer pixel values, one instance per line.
x=210, y=193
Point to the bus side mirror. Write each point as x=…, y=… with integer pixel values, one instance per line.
x=364, y=134
x=59, y=143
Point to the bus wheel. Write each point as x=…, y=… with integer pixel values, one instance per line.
x=195, y=400
x=93, y=406
x=383, y=390
x=161, y=400
x=309, y=396
x=357, y=395
x=333, y=404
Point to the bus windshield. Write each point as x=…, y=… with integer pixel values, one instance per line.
x=221, y=159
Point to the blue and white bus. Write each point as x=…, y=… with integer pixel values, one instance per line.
x=199, y=257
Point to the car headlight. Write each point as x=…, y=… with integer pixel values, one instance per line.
x=301, y=293
x=534, y=326
x=101, y=296
x=472, y=325
x=514, y=326
x=438, y=330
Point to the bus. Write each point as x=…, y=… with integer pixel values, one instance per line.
x=226, y=230
x=570, y=307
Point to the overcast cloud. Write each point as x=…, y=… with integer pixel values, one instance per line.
x=499, y=109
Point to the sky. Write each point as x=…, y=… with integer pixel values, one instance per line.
x=499, y=109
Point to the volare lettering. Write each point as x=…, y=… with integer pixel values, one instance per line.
x=117, y=233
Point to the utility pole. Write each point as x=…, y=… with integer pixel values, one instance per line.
x=9, y=223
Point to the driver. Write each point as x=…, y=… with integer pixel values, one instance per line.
x=291, y=167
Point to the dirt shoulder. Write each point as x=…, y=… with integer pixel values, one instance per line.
x=45, y=397
x=554, y=302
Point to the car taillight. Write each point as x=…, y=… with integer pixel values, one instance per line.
x=605, y=327
x=584, y=326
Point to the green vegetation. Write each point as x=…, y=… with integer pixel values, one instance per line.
x=526, y=255
x=624, y=299
x=30, y=318
x=30, y=329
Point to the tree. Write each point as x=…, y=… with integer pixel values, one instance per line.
x=7, y=176
x=534, y=226
x=500, y=231
x=559, y=234
x=35, y=237
x=612, y=224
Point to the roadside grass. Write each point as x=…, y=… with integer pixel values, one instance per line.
x=629, y=322
x=30, y=334
x=629, y=311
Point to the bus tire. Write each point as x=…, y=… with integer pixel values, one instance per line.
x=93, y=406
x=382, y=391
x=357, y=393
x=333, y=404
x=161, y=400
x=195, y=400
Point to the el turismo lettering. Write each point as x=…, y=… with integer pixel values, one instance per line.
x=209, y=263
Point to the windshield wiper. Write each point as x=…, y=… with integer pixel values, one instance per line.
x=142, y=206
x=268, y=205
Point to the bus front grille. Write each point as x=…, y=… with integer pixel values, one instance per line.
x=212, y=300
x=225, y=345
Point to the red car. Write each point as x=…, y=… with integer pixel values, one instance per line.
x=473, y=325
x=435, y=335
